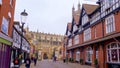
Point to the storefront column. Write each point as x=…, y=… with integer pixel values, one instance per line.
x=84, y=55
x=101, y=57
x=93, y=55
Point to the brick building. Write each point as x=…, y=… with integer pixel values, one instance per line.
x=7, y=8
x=96, y=35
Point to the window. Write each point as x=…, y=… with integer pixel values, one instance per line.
x=95, y=17
x=0, y=2
x=11, y=3
x=75, y=27
x=5, y=25
x=87, y=34
x=96, y=52
x=70, y=54
x=69, y=33
x=80, y=28
x=89, y=54
x=113, y=52
x=76, y=39
x=70, y=42
x=110, y=27
x=84, y=19
x=78, y=55
x=108, y=3
x=95, y=32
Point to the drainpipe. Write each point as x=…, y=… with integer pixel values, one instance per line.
x=103, y=37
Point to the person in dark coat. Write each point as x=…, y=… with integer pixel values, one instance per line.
x=16, y=63
x=27, y=62
x=35, y=61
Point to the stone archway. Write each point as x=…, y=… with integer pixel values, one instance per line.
x=45, y=56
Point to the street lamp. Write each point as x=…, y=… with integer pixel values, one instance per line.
x=23, y=20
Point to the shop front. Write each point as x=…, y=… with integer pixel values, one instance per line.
x=113, y=55
x=5, y=50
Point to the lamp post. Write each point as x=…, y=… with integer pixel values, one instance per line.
x=23, y=20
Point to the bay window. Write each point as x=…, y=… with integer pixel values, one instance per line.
x=113, y=52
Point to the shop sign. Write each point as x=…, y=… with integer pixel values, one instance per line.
x=16, y=45
x=5, y=41
x=5, y=25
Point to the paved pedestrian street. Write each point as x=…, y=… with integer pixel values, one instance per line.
x=57, y=64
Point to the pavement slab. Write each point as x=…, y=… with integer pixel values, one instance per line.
x=57, y=64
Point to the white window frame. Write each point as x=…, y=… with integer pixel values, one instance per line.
x=69, y=33
x=70, y=42
x=84, y=19
x=80, y=28
x=75, y=28
x=0, y=2
x=77, y=56
x=95, y=32
x=5, y=25
x=76, y=39
x=109, y=3
x=110, y=24
x=70, y=54
x=108, y=50
x=89, y=54
x=87, y=34
x=95, y=17
x=11, y=3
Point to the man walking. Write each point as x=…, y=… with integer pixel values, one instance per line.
x=27, y=62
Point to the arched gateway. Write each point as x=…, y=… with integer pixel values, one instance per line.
x=45, y=56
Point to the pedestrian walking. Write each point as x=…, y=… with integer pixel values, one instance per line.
x=55, y=58
x=16, y=63
x=64, y=60
x=35, y=61
x=27, y=62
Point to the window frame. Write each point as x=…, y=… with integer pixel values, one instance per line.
x=109, y=49
x=87, y=34
x=110, y=24
x=76, y=39
x=89, y=51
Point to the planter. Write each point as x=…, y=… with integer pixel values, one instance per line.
x=97, y=66
x=96, y=63
x=71, y=60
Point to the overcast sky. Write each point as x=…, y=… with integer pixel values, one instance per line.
x=49, y=16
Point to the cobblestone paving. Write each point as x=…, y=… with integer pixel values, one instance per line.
x=57, y=64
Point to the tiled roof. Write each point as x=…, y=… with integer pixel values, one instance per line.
x=89, y=8
x=77, y=16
